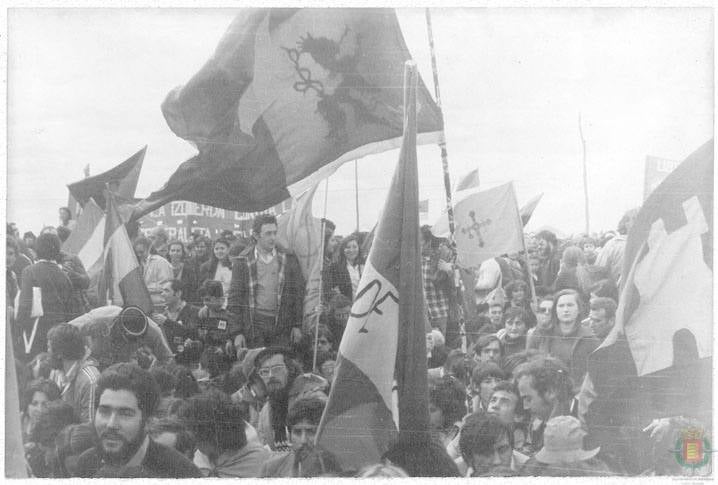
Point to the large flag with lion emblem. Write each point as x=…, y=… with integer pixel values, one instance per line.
x=290, y=95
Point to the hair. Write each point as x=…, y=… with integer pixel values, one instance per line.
x=306, y=409
x=587, y=240
x=176, y=286
x=449, y=395
x=579, y=303
x=51, y=420
x=235, y=379
x=520, y=313
x=29, y=234
x=516, y=285
x=572, y=257
x=339, y=301
x=46, y=386
x=454, y=365
x=186, y=384
x=510, y=386
x=485, y=340
x=130, y=377
x=260, y=220
x=480, y=433
x=67, y=343
x=345, y=242
x=48, y=247
x=380, y=470
x=213, y=417
x=605, y=288
x=628, y=217
x=547, y=236
x=422, y=459
x=487, y=369
x=142, y=241
x=214, y=361
x=63, y=233
x=212, y=289
x=511, y=362
x=547, y=374
x=175, y=242
x=186, y=442
x=166, y=381
x=213, y=261
x=603, y=303
x=72, y=441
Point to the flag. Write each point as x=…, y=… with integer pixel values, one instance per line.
x=87, y=239
x=384, y=343
x=528, y=209
x=487, y=225
x=15, y=464
x=122, y=180
x=301, y=233
x=123, y=274
x=469, y=181
x=289, y=95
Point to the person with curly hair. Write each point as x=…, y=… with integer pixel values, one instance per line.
x=447, y=407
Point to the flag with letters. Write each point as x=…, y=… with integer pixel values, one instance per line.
x=290, y=95
x=379, y=393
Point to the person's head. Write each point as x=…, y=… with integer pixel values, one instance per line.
x=604, y=288
x=325, y=339
x=70, y=443
x=543, y=313
x=65, y=215
x=563, y=442
x=349, y=249
x=455, y=364
x=496, y=315
x=544, y=384
x=588, y=246
x=29, y=239
x=201, y=246
x=141, y=245
x=546, y=242
x=488, y=349
x=516, y=323
x=276, y=367
x=566, y=312
x=602, y=316
x=627, y=221
x=36, y=395
x=65, y=343
x=186, y=384
x=11, y=230
x=125, y=397
x=420, y=458
x=517, y=292
x=212, y=295
x=48, y=247
x=486, y=443
x=447, y=403
x=51, y=419
x=214, y=361
x=264, y=230
x=63, y=233
x=172, y=292
x=302, y=420
x=505, y=403
x=340, y=307
x=130, y=324
x=158, y=236
x=484, y=378
x=572, y=257
x=220, y=249
x=327, y=364
x=172, y=433
x=175, y=251
x=534, y=263
x=11, y=251
x=216, y=422
x=165, y=379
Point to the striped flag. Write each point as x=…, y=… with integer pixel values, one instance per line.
x=468, y=181
x=123, y=275
x=527, y=210
x=379, y=392
x=289, y=96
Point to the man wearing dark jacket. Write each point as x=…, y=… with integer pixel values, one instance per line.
x=126, y=397
x=267, y=289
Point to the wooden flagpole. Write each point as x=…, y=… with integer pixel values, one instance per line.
x=321, y=273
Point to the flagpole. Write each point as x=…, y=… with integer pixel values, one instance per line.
x=321, y=274
x=585, y=175
x=356, y=191
x=442, y=142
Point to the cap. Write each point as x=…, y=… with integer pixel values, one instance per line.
x=563, y=442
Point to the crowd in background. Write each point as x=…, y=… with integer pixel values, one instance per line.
x=225, y=378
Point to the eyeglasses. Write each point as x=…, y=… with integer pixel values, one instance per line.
x=274, y=370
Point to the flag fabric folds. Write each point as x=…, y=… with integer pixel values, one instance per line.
x=121, y=179
x=379, y=392
x=301, y=233
x=123, y=274
x=468, y=181
x=289, y=95
x=527, y=210
x=487, y=225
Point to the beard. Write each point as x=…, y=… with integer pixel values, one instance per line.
x=275, y=389
x=125, y=451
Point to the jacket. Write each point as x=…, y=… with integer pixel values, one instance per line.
x=79, y=389
x=243, y=463
x=338, y=275
x=583, y=344
x=75, y=271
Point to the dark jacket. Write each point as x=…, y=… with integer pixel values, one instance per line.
x=75, y=271
x=190, y=282
x=338, y=275
x=56, y=297
x=159, y=462
x=583, y=343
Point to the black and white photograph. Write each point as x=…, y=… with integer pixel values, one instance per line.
x=359, y=240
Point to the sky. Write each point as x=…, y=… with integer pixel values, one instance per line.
x=84, y=86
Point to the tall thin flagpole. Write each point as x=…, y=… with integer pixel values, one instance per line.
x=585, y=174
x=321, y=273
x=442, y=143
x=356, y=190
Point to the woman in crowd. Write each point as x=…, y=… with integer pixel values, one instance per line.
x=518, y=296
x=56, y=294
x=200, y=250
x=35, y=398
x=219, y=267
x=343, y=276
x=29, y=240
x=40, y=451
x=513, y=335
x=184, y=270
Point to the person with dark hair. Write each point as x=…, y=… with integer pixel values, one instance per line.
x=29, y=239
x=184, y=270
x=340, y=308
x=438, y=279
x=486, y=445
x=56, y=293
x=172, y=433
x=214, y=364
x=217, y=326
x=219, y=427
x=278, y=369
x=200, y=251
x=549, y=257
x=126, y=398
x=40, y=450
x=179, y=320
x=167, y=382
x=66, y=219
x=302, y=421
x=513, y=335
x=267, y=289
x=588, y=245
x=505, y=403
x=546, y=391
x=488, y=349
x=544, y=324
x=155, y=270
x=421, y=459
x=76, y=373
x=185, y=382
x=496, y=316
x=605, y=288
x=219, y=266
x=447, y=407
x=115, y=334
x=70, y=443
x=484, y=377
x=35, y=397
x=343, y=276
x=602, y=316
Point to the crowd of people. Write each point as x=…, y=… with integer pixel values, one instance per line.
x=225, y=378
